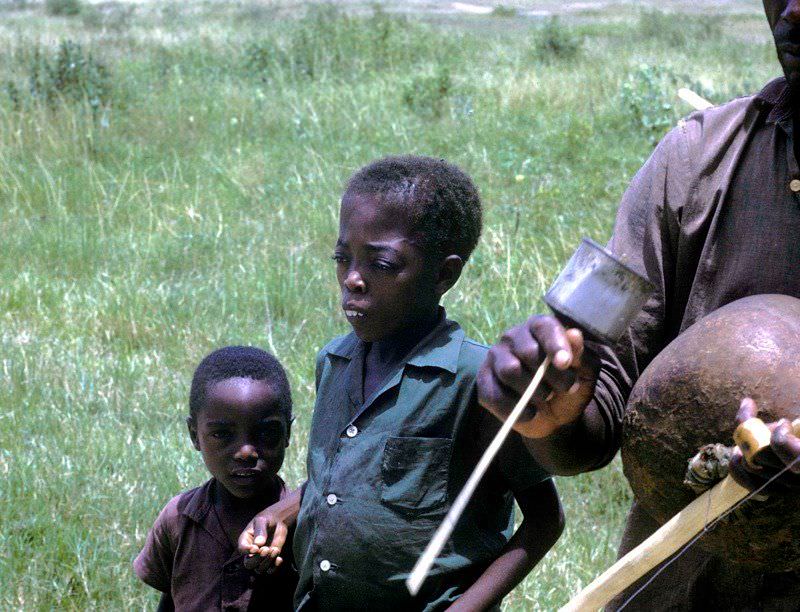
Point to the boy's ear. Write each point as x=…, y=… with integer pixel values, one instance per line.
x=289, y=431
x=192, y=425
x=449, y=273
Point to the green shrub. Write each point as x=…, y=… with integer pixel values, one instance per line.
x=648, y=94
x=72, y=75
x=429, y=95
x=261, y=57
x=504, y=11
x=557, y=41
x=63, y=8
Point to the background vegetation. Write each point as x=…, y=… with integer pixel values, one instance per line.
x=169, y=176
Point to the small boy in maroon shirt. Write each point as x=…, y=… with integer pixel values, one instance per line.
x=240, y=414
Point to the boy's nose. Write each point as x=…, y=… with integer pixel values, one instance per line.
x=245, y=452
x=354, y=282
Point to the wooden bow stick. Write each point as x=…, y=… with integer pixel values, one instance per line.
x=752, y=436
x=425, y=562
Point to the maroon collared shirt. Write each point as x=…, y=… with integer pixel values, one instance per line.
x=188, y=555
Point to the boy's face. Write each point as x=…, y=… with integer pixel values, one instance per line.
x=242, y=434
x=387, y=282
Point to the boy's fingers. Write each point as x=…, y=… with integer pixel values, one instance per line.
x=245, y=544
x=261, y=527
x=275, y=565
x=279, y=538
x=264, y=566
x=251, y=562
x=552, y=336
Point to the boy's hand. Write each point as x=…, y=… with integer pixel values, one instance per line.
x=264, y=537
x=265, y=527
x=567, y=387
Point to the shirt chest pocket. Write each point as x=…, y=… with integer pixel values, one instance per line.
x=415, y=474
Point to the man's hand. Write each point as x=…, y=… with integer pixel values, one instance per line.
x=269, y=526
x=567, y=387
x=783, y=451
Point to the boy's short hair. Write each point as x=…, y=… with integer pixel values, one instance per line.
x=239, y=362
x=442, y=202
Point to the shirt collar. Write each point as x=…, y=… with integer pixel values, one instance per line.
x=775, y=100
x=439, y=349
x=200, y=503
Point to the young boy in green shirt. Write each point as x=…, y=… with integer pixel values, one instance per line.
x=396, y=428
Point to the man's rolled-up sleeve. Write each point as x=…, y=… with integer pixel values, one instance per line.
x=646, y=238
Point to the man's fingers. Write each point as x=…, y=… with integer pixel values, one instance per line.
x=515, y=359
x=747, y=410
x=552, y=337
x=575, y=339
x=786, y=446
x=507, y=368
x=493, y=395
x=742, y=472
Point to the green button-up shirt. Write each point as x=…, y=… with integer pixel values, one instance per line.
x=383, y=470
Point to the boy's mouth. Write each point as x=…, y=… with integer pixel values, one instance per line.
x=246, y=473
x=353, y=314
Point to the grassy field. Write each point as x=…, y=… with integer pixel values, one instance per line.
x=169, y=184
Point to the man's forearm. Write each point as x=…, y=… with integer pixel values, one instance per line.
x=580, y=447
x=288, y=508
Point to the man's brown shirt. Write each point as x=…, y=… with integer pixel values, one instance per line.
x=712, y=216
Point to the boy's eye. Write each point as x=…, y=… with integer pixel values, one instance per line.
x=272, y=434
x=339, y=258
x=219, y=434
x=386, y=266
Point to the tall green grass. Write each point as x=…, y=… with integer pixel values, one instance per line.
x=196, y=204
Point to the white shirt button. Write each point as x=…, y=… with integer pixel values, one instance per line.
x=794, y=185
x=325, y=565
x=352, y=431
x=332, y=499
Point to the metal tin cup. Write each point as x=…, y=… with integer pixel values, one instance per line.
x=598, y=293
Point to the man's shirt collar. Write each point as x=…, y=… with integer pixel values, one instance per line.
x=775, y=99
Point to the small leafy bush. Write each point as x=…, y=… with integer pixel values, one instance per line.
x=262, y=57
x=71, y=75
x=648, y=94
x=504, y=11
x=429, y=95
x=557, y=41
x=63, y=8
